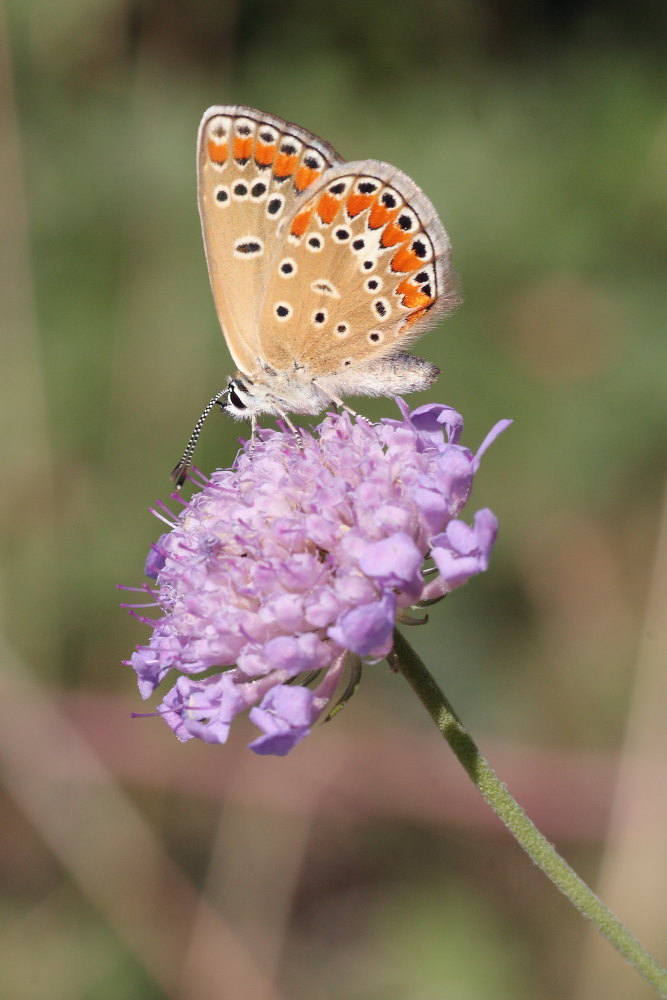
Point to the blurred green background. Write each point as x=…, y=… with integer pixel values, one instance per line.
x=363, y=867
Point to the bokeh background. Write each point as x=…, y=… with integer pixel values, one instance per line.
x=365, y=866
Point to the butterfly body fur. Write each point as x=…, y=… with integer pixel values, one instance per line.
x=322, y=270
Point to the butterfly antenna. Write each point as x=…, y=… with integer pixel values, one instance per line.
x=180, y=471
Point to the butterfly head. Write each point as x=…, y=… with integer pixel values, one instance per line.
x=244, y=399
x=239, y=400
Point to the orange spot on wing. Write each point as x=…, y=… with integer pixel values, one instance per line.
x=265, y=153
x=301, y=220
x=356, y=203
x=413, y=317
x=392, y=235
x=380, y=215
x=327, y=207
x=413, y=297
x=405, y=259
x=242, y=147
x=305, y=177
x=217, y=151
x=284, y=164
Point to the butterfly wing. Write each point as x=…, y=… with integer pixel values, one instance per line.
x=361, y=270
x=252, y=170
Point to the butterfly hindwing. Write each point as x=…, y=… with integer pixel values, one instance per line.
x=253, y=169
x=361, y=269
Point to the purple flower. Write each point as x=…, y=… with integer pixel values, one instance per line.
x=461, y=551
x=287, y=712
x=301, y=558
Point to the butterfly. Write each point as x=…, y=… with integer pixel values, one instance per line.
x=322, y=270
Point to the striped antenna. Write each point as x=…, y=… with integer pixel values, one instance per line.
x=180, y=471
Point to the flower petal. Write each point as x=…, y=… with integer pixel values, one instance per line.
x=285, y=716
x=367, y=630
x=461, y=551
x=393, y=561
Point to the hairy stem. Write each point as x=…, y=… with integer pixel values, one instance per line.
x=524, y=830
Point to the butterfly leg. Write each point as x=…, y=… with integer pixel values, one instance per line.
x=335, y=400
x=294, y=429
x=253, y=434
x=339, y=402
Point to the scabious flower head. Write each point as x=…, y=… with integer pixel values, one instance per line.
x=307, y=552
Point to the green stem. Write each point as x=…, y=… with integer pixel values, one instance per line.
x=533, y=842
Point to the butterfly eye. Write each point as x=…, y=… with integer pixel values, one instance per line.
x=236, y=400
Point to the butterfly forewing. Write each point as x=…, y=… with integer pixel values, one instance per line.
x=253, y=169
x=362, y=267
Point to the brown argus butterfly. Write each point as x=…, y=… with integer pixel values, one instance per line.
x=322, y=270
